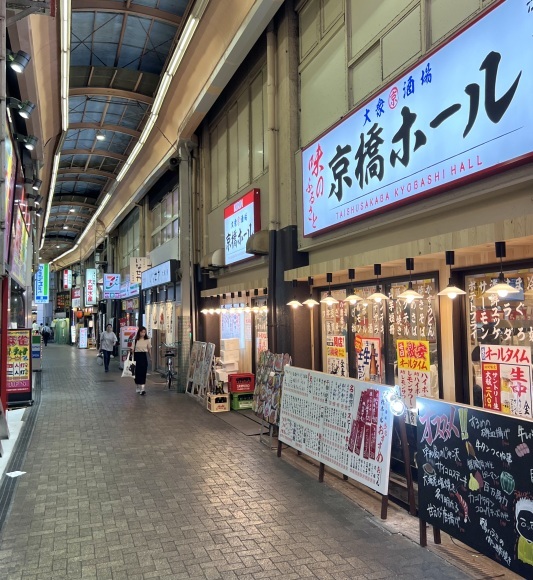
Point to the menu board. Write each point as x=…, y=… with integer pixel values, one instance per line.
x=476, y=479
x=268, y=382
x=19, y=361
x=195, y=356
x=341, y=422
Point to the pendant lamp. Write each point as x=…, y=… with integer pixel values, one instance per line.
x=451, y=291
x=377, y=296
x=328, y=299
x=310, y=302
x=294, y=303
x=501, y=288
x=353, y=297
x=409, y=295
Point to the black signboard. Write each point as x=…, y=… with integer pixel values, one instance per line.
x=475, y=479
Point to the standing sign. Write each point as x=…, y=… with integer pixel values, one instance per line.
x=506, y=375
x=42, y=289
x=137, y=266
x=19, y=361
x=126, y=340
x=241, y=219
x=36, y=351
x=91, y=297
x=111, y=286
x=475, y=481
x=83, y=338
x=341, y=422
x=462, y=112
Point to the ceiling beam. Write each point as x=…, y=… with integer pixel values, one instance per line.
x=90, y=171
x=105, y=6
x=112, y=128
x=77, y=203
x=64, y=214
x=107, y=92
x=82, y=179
x=97, y=152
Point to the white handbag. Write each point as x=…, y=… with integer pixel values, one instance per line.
x=129, y=367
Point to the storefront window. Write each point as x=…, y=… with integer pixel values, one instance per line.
x=260, y=327
x=165, y=219
x=500, y=338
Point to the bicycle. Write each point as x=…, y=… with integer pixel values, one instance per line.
x=170, y=353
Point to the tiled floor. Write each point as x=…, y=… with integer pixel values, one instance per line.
x=120, y=486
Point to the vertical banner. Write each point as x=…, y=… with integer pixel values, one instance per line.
x=19, y=361
x=67, y=279
x=76, y=297
x=111, y=286
x=137, y=266
x=91, y=297
x=335, y=331
x=506, y=374
x=414, y=374
x=42, y=285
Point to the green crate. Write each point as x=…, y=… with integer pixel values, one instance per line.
x=241, y=401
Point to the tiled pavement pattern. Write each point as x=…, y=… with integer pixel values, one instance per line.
x=120, y=486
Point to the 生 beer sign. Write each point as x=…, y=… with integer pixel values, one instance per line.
x=461, y=113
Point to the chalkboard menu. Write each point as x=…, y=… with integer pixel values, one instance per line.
x=475, y=481
x=341, y=422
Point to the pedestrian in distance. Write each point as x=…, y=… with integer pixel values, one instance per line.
x=142, y=352
x=35, y=326
x=46, y=334
x=108, y=339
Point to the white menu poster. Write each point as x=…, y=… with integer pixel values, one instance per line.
x=341, y=422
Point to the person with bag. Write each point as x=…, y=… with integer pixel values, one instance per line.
x=46, y=334
x=142, y=349
x=108, y=339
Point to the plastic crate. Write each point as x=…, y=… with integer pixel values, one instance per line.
x=241, y=401
x=241, y=382
x=217, y=403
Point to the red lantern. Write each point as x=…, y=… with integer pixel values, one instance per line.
x=79, y=314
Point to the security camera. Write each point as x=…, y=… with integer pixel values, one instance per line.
x=174, y=163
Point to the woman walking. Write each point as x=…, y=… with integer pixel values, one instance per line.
x=141, y=353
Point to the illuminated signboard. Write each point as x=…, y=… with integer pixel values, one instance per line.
x=67, y=279
x=460, y=114
x=91, y=295
x=111, y=286
x=42, y=285
x=241, y=219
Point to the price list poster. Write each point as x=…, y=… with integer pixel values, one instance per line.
x=343, y=423
x=476, y=481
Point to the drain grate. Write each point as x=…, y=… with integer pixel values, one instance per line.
x=9, y=484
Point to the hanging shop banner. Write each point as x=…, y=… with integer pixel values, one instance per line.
x=76, y=297
x=19, y=248
x=475, y=481
x=241, y=220
x=138, y=265
x=368, y=352
x=341, y=422
x=42, y=284
x=164, y=273
x=19, y=361
x=461, y=113
x=91, y=297
x=111, y=286
x=414, y=374
x=67, y=279
x=9, y=176
x=506, y=376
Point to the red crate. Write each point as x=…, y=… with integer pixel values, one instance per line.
x=241, y=382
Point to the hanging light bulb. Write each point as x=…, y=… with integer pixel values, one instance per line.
x=396, y=404
x=410, y=294
x=353, y=297
x=310, y=302
x=451, y=290
x=501, y=288
x=294, y=303
x=377, y=296
x=328, y=299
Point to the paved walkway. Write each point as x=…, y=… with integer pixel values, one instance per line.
x=120, y=486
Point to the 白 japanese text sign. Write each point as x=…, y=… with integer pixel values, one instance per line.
x=461, y=113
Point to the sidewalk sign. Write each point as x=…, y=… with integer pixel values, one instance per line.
x=127, y=336
x=36, y=351
x=19, y=362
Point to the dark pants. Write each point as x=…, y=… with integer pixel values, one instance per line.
x=141, y=366
x=107, y=356
x=46, y=336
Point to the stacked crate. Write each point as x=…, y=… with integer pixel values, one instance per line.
x=241, y=389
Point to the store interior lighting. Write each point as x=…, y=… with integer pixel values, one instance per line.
x=377, y=296
x=18, y=61
x=37, y=184
x=410, y=294
x=310, y=302
x=294, y=303
x=24, y=108
x=501, y=288
x=451, y=290
x=353, y=297
x=328, y=299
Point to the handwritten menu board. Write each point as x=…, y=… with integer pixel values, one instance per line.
x=476, y=479
x=268, y=381
x=341, y=422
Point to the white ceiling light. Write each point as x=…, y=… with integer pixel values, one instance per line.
x=501, y=288
x=451, y=290
x=377, y=296
x=410, y=294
